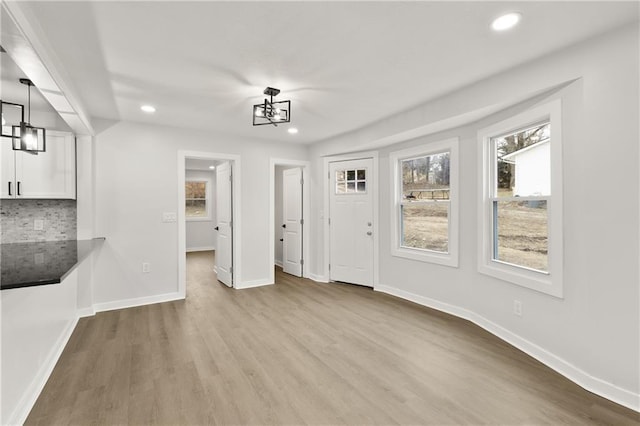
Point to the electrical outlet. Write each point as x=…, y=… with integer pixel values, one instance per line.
x=146, y=267
x=38, y=258
x=38, y=225
x=517, y=308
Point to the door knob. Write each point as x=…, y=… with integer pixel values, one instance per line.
x=217, y=228
x=369, y=233
x=368, y=223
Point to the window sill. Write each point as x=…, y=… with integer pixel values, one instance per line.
x=198, y=219
x=533, y=280
x=446, y=259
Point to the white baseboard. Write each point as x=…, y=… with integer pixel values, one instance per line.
x=208, y=248
x=318, y=278
x=86, y=312
x=19, y=415
x=140, y=301
x=278, y=262
x=254, y=283
x=580, y=377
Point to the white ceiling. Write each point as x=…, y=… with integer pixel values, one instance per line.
x=343, y=64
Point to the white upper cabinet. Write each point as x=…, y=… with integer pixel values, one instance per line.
x=50, y=174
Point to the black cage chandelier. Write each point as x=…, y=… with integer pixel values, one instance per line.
x=25, y=136
x=270, y=112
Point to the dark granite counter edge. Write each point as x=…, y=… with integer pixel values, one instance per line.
x=32, y=284
x=97, y=243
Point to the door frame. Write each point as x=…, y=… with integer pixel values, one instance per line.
x=325, y=214
x=182, y=233
x=305, y=165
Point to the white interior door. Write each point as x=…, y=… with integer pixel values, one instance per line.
x=292, y=218
x=351, y=221
x=224, y=227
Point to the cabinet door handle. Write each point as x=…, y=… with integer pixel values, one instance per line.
x=19, y=188
x=9, y=188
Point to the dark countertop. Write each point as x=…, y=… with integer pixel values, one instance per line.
x=41, y=263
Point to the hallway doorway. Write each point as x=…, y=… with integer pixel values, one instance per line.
x=208, y=213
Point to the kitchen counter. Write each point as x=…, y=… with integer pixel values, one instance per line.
x=42, y=263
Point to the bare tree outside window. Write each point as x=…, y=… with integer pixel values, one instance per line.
x=425, y=205
x=196, y=199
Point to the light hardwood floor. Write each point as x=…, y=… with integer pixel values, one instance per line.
x=300, y=352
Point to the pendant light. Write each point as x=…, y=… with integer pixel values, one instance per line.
x=25, y=136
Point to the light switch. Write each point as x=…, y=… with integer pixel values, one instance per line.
x=38, y=225
x=169, y=217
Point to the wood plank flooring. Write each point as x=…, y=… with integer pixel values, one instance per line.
x=300, y=352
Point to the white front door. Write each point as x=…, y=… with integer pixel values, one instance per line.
x=292, y=218
x=351, y=221
x=224, y=227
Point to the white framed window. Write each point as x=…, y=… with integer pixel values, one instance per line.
x=520, y=200
x=198, y=199
x=424, y=216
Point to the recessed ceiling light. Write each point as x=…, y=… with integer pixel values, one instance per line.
x=212, y=167
x=148, y=108
x=292, y=130
x=506, y=21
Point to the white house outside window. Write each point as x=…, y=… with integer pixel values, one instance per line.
x=520, y=208
x=425, y=209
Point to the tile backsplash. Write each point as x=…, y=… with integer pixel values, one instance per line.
x=17, y=219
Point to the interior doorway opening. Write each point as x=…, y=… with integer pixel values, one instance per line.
x=208, y=208
x=289, y=199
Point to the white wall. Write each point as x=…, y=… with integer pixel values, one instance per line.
x=200, y=234
x=85, y=195
x=593, y=333
x=137, y=180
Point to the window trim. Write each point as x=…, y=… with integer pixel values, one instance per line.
x=548, y=282
x=395, y=158
x=208, y=197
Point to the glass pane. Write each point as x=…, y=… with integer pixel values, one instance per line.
x=341, y=187
x=351, y=186
x=426, y=226
x=196, y=190
x=361, y=174
x=11, y=116
x=196, y=208
x=362, y=187
x=351, y=175
x=521, y=233
x=340, y=175
x=426, y=177
x=523, y=162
